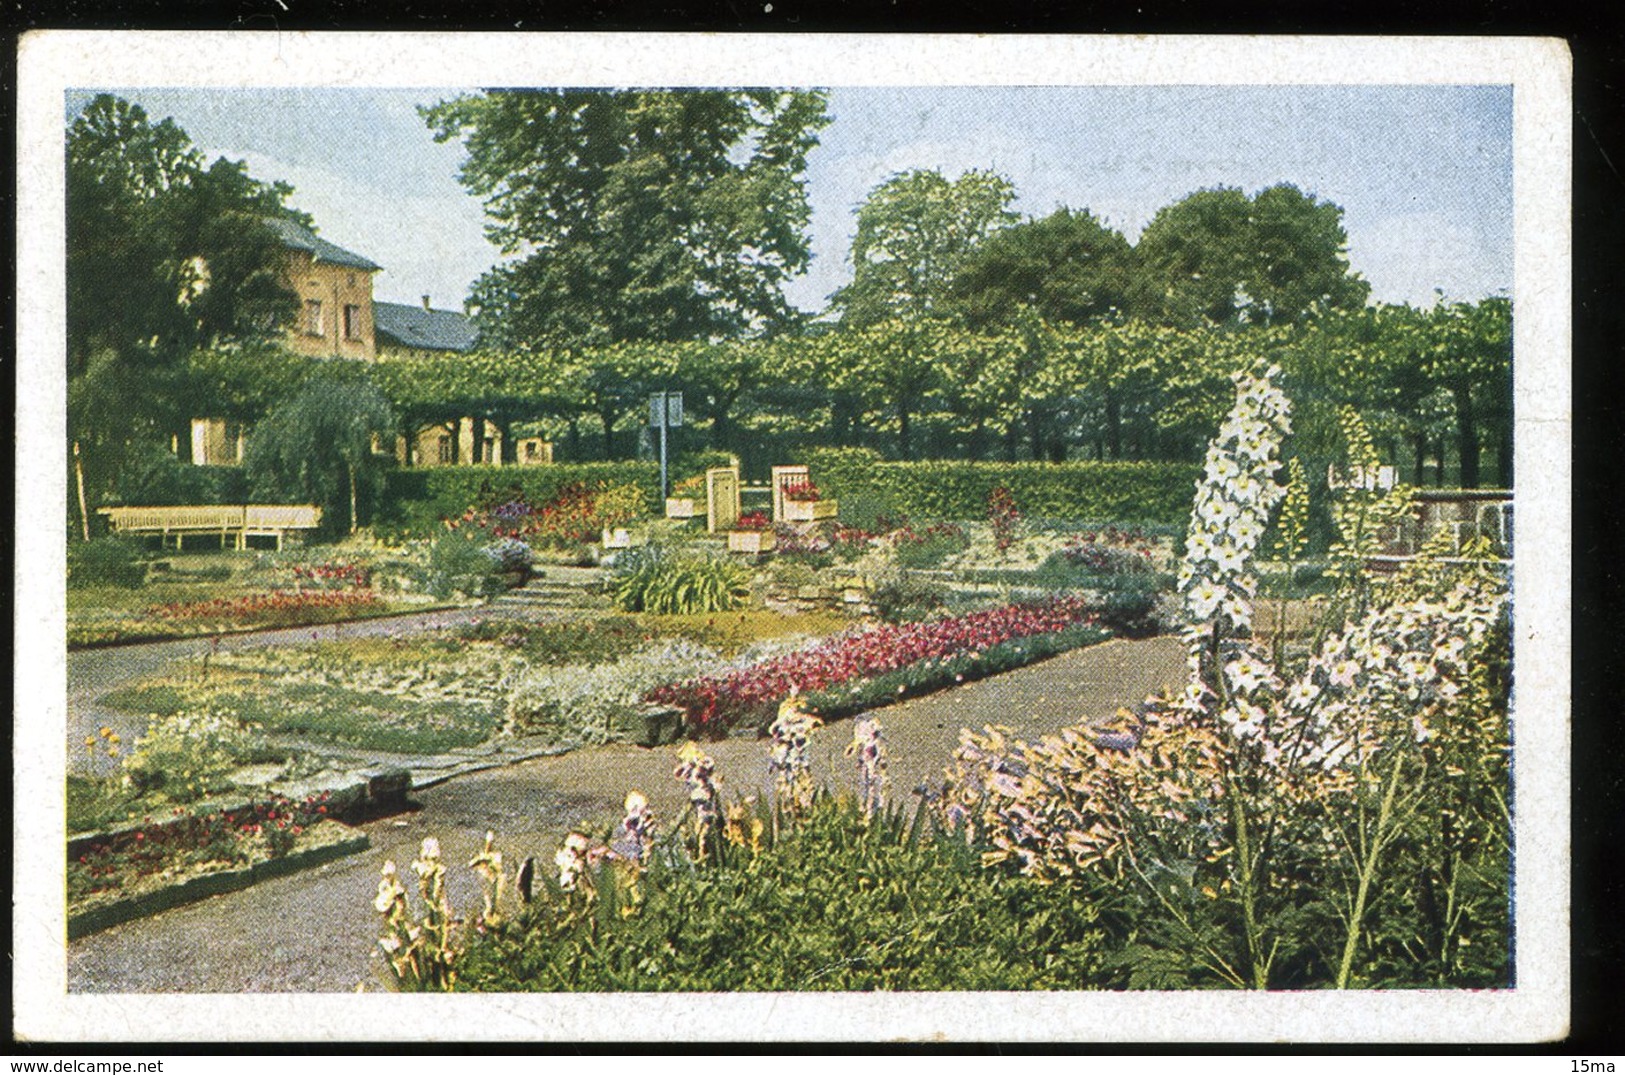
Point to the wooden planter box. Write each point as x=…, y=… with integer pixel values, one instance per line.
x=751, y=541
x=618, y=538
x=810, y=511
x=680, y=507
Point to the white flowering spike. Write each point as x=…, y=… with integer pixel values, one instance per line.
x=1233, y=504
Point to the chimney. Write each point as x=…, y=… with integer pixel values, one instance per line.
x=425, y=302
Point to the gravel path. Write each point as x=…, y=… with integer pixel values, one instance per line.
x=314, y=931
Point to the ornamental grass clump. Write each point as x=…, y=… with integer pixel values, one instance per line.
x=1339, y=820
x=666, y=581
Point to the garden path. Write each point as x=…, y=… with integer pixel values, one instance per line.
x=314, y=931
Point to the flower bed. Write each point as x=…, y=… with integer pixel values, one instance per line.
x=111, y=885
x=265, y=606
x=749, y=695
x=187, y=856
x=92, y=625
x=575, y=515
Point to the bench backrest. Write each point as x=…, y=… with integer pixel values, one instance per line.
x=215, y=517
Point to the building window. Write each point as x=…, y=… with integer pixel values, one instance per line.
x=352, y=322
x=445, y=449
x=313, y=317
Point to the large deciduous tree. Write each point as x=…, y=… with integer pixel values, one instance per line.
x=1219, y=257
x=915, y=232
x=165, y=255
x=635, y=214
x=1068, y=267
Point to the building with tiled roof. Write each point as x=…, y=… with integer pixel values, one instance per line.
x=338, y=318
x=334, y=286
x=420, y=328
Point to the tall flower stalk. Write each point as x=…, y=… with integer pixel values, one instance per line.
x=1265, y=798
x=788, y=760
x=421, y=952
x=869, y=747
x=696, y=769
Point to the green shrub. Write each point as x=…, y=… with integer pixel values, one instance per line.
x=110, y=561
x=415, y=501
x=187, y=755
x=660, y=580
x=836, y=902
x=696, y=461
x=158, y=477
x=459, y=564
x=594, y=703
x=1150, y=493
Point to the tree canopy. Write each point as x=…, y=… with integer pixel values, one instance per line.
x=1067, y=266
x=1219, y=257
x=915, y=232
x=165, y=254
x=636, y=214
x=317, y=445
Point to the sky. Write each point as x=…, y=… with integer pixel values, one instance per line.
x=1423, y=173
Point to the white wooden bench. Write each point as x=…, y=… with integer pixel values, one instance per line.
x=238, y=522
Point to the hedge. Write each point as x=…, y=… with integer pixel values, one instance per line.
x=415, y=501
x=1120, y=492
x=163, y=479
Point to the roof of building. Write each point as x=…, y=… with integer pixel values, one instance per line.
x=422, y=328
x=299, y=237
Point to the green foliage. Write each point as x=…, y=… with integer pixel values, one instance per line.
x=417, y=502
x=903, y=597
x=833, y=903
x=156, y=476
x=1220, y=257
x=160, y=246
x=914, y=232
x=110, y=561
x=1153, y=493
x=164, y=254
x=459, y=564
x=645, y=214
x=97, y=803
x=187, y=755
x=316, y=446
x=1067, y=266
x=654, y=578
x=929, y=546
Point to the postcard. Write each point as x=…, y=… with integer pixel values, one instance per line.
x=695, y=537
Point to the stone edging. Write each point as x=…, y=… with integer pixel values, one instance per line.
x=192, y=889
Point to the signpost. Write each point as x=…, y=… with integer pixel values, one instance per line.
x=665, y=411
